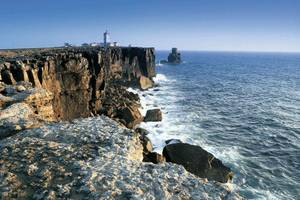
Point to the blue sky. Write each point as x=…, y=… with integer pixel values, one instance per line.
x=233, y=25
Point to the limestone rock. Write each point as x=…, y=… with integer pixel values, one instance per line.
x=145, y=83
x=16, y=117
x=197, y=161
x=77, y=77
x=92, y=158
x=4, y=100
x=2, y=86
x=153, y=115
x=122, y=105
x=40, y=100
x=130, y=116
x=147, y=144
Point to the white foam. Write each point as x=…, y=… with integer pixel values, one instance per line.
x=132, y=90
x=160, y=77
x=159, y=64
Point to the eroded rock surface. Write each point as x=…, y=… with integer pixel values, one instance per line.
x=92, y=158
x=23, y=107
x=77, y=77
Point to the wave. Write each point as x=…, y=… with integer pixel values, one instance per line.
x=159, y=64
x=160, y=77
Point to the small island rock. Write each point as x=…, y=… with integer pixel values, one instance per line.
x=174, y=57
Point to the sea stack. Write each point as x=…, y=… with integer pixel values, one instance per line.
x=174, y=57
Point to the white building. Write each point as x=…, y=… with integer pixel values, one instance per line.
x=106, y=38
x=107, y=42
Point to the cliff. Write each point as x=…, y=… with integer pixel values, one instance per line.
x=78, y=78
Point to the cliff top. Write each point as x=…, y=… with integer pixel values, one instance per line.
x=32, y=52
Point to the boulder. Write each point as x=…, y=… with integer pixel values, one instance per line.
x=20, y=88
x=130, y=116
x=153, y=115
x=145, y=83
x=198, y=161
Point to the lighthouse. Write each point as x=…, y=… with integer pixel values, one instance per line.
x=106, y=39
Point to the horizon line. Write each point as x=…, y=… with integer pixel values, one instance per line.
x=232, y=51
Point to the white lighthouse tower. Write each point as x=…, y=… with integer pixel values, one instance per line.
x=106, y=39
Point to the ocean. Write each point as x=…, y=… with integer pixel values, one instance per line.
x=242, y=107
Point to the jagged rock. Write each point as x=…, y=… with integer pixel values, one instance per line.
x=130, y=116
x=197, y=161
x=120, y=104
x=141, y=131
x=24, y=110
x=174, y=57
x=147, y=144
x=153, y=115
x=10, y=90
x=7, y=77
x=40, y=100
x=92, y=158
x=16, y=117
x=2, y=86
x=145, y=83
x=78, y=77
x=4, y=100
x=26, y=84
x=154, y=157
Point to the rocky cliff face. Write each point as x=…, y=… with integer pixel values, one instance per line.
x=78, y=78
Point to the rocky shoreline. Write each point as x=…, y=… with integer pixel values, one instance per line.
x=69, y=129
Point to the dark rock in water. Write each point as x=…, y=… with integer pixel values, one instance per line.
x=174, y=57
x=154, y=158
x=198, y=161
x=153, y=115
x=173, y=141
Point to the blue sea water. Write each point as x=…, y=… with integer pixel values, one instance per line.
x=242, y=107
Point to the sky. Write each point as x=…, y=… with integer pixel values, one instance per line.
x=209, y=25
